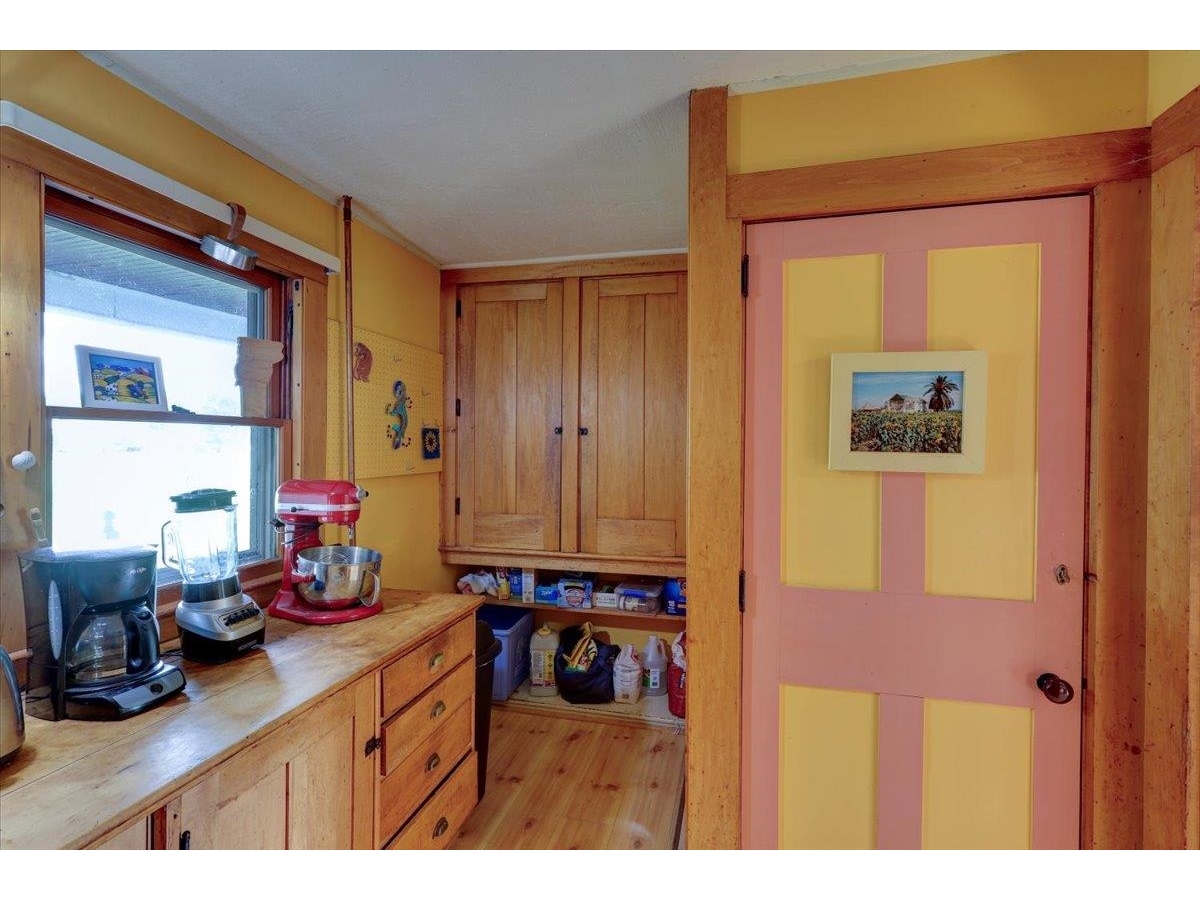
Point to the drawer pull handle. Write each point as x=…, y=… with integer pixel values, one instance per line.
x=438, y=709
x=441, y=827
x=432, y=763
x=436, y=660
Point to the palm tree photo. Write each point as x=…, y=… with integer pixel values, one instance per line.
x=938, y=391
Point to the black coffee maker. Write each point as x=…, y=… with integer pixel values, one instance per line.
x=93, y=636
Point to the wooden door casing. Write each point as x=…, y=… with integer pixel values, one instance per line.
x=510, y=385
x=633, y=403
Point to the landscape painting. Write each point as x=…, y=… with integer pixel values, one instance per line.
x=906, y=412
x=109, y=377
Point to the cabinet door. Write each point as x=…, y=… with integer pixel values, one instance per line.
x=633, y=403
x=510, y=383
x=134, y=836
x=307, y=785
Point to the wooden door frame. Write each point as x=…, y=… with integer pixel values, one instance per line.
x=1115, y=168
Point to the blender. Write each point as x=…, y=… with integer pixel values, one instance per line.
x=216, y=620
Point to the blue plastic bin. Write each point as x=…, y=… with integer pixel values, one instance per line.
x=513, y=627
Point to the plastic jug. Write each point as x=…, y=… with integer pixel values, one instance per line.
x=654, y=667
x=627, y=676
x=542, y=646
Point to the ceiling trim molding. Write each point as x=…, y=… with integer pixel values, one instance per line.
x=846, y=73
x=551, y=260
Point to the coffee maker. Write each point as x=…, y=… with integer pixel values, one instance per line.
x=93, y=635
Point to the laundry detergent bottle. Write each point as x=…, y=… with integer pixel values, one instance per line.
x=654, y=667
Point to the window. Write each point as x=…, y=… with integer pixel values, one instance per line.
x=113, y=283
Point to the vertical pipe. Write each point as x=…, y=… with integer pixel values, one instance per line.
x=349, y=347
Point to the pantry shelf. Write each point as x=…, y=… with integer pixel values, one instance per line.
x=650, y=711
x=616, y=618
x=665, y=566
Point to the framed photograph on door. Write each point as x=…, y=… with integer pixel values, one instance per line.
x=116, y=379
x=908, y=412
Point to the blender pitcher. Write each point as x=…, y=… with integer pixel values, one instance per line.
x=201, y=541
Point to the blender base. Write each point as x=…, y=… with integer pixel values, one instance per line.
x=287, y=605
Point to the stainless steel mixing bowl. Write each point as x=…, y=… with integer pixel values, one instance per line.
x=338, y=577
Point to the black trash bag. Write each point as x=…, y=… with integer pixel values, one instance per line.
x=595, y=685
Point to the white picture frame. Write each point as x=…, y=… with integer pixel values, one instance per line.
x=118, y=379
x=882, y=404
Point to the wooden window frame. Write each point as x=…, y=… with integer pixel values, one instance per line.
x=67, y=207
x=39, y=175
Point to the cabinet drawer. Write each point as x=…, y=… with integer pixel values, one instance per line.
x=416, y=776
x=421, y=717
x=418, y=669
x=439, y=821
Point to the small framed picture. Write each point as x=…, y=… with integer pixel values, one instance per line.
x=111, y=379
x=908, y=412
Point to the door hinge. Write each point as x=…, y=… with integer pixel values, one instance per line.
x=746, y=275
x=742, y=591
x=458, y=309
x=457, y=505
x=371, y=745
x=458, y=406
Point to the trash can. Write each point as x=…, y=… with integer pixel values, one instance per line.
x=487, y=648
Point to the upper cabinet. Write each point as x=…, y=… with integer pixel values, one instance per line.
x=509, y=430
x=632, y=415
x=571, y=413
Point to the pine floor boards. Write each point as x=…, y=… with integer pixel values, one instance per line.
x=560, y=783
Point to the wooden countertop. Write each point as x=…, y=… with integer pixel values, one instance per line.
x=75, y=780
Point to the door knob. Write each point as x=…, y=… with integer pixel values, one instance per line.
x=1055, y=689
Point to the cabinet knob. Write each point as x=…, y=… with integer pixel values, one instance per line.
x=432, y=763
x=436, y=659
x=441, y=827
x=558, y=430
x=583, y=431
x=438, y=709
x=185, y=841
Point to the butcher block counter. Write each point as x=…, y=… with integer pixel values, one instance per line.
x=282, y=747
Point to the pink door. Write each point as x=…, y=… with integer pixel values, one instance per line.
x=897, y=623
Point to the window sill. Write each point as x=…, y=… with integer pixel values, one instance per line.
x=147, y=415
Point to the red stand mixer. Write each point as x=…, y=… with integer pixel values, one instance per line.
x=301, y=507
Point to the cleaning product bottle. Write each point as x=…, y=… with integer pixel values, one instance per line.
x=654, y=667
x=541, y=671
x=627, y=676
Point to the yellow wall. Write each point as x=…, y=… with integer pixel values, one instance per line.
x=1015, y=97
x=396, y=293
x=1172, y=73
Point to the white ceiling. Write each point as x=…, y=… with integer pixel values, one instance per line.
x=483, y=156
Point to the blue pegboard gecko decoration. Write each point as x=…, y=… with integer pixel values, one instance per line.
x=397, y=430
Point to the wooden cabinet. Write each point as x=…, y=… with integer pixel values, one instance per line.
x=510, y=377
x=633, y=406
x=133, y=836
x=307, y=785
x=571, y=411
x=428, y=735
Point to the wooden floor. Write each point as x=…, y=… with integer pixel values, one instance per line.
x=556, y=783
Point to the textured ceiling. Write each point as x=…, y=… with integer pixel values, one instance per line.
x=481, y=156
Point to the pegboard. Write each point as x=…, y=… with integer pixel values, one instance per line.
x=376, y=425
